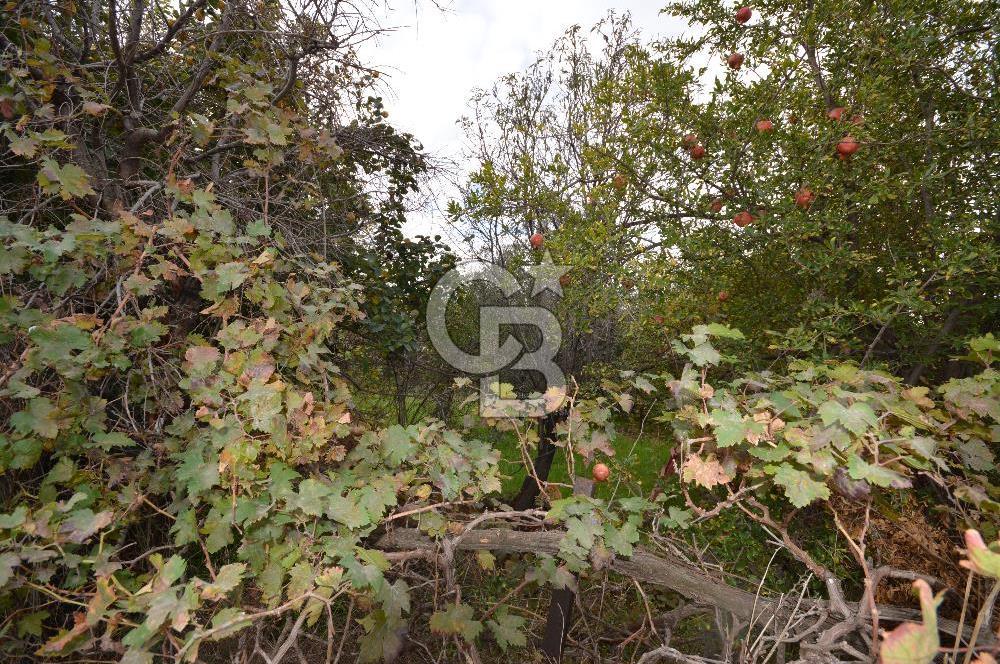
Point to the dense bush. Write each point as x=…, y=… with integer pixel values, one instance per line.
x=203, y=283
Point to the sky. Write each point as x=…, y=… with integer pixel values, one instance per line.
x=434, y=59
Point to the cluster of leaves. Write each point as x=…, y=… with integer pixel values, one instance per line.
x=250, y=454
x=913, y=643
x=833, y=427
x=178, y=450
x=892, y=260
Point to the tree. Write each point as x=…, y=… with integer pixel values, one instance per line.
x=200, y=256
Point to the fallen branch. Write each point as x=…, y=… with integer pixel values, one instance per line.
x=656, y=569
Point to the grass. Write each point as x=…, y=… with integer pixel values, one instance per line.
x=637, y=461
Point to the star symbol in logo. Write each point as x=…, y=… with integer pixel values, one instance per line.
x=546, y=275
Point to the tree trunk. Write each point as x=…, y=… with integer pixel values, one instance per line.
x=544, y=457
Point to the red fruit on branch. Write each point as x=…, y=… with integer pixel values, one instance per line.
x=804, y=197
x=688, y=141
x=715, y=205
x=537, y=240
x=847, y=146
x=764, y=126
x=836, y=114
x=697, y=152
x=743, y=219
x=743, y=14
x=723, y=296
x=735, y=61
x=601, y=472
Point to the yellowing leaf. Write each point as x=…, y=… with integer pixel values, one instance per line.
x=981, y=559
x=707, y=472
x=456, y=621
x=911, y=643
x=68, y=180
x=225, y=581
x=486, y=560
x=94, y=108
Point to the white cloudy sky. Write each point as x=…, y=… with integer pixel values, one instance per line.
x=435, y=58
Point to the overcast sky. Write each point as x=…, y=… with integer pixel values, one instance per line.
x=435, y=58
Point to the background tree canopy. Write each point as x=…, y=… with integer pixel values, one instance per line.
x=225, y=436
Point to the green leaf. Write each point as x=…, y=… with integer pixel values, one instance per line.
x=976, y=454
x=730, y=428
x=219, y=527
x=228, y=577
x=718, y=330
x=14, y=519
x=621, y=539
x=230, y=276
x=8, y=563
x=857, y=418
x=39, y=418
x=881, y=476
x=31, y=623
x=68, y=180
x=770, y=454
x=800, y=488
x=704, y=354
x=398, y=445
x=507, y=629
x=194, y=473
x=312, y=497
x=456, y=621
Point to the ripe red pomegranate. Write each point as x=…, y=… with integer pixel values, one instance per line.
x=743, y=15
x=836, y=114
x=804, y=197
x=723, y=296
x=715, y=205
x=743, y=219
x=847, y=146
x=764, y=126
x=688, y=141
x=601, y=472
x=697, y=152
x=735, y=61
x=537, y=240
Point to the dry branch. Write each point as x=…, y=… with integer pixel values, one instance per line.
x=656, y=569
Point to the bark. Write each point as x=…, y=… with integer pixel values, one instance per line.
x=657, y=569
x=546, y=453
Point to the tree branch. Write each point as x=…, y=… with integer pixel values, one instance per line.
x=656, y=569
